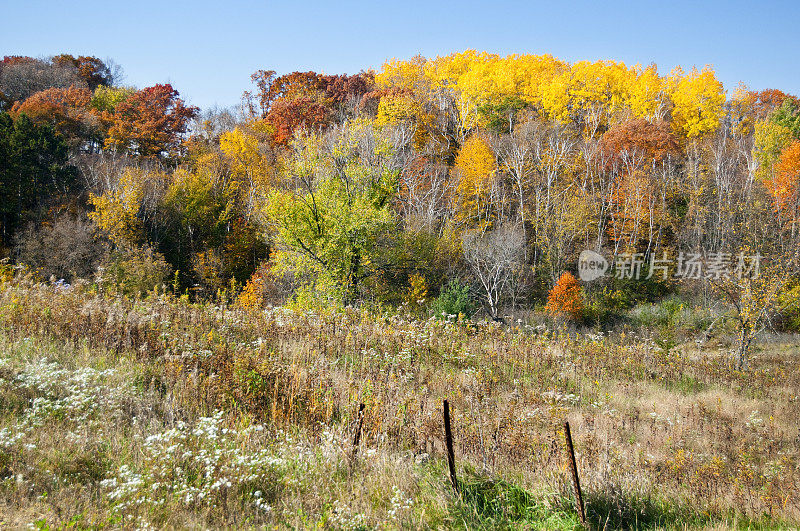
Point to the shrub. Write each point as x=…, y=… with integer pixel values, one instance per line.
x=65, y=248
x=265, y=288
x=789, y=303
x=454, y=299
x=415, y=294
x=565, y=298
x=135, y=271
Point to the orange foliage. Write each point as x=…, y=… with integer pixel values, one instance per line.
x=652, y=140
x=66, y=109
x=565, y=298
x=783, y=186
x=150, y=122
x=285, y=116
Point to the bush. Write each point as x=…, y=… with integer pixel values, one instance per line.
x=565, y=298
x=135, y=271
x=454, y=299
x=789, y=304
x=65, y=248
x=265, y=287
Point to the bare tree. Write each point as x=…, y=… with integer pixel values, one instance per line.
x=495, y=258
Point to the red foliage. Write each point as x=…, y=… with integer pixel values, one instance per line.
x=91, y=69
x=653, y=140
x=286, y=116
x=304, y=98
x=151, y=122
x=11, y=60
x=764, y=102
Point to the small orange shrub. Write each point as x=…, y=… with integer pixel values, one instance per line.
x=252, y=295
x=565, y=298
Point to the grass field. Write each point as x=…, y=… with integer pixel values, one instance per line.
x=160, y=413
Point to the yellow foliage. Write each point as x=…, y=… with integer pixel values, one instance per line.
x=770, y=141
x=416, y=293
x=476, y=166
x=115, y=211
x=595, y=89
x=648, y=95
x=600, y=92
x=252, y=295
x=698, y=98
x=395, y=109
x=250, y=167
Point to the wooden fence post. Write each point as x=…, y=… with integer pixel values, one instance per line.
x=574, y=468
x=359, y=424
x=448, y=440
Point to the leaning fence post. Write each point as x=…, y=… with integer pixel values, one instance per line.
x=359, y=424
x=448, y=440
x=574, y=468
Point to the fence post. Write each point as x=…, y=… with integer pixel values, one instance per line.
x=448, y=440
x=574, y=468
x=359, y=424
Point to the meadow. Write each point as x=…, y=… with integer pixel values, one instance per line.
x=129, y=412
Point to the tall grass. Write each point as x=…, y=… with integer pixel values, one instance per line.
x=125, y=401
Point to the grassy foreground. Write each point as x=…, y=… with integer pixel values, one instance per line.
x=160, y=413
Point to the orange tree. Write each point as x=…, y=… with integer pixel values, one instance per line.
x=565, y=298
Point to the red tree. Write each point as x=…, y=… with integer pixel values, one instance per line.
x=151, y=122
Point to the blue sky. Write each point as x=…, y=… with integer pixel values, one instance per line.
x=208, y=50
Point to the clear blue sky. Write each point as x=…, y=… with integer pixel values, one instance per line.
x=208, y=50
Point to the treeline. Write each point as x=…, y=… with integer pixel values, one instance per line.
x=471, y=179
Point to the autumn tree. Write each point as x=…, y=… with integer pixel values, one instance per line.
x=21, y=77
x=698, y=99
x=150, y=123
x=565, y=298
x=66, y=110
x=92, y=70
x=331, y=223
x=636, y=152
x=783, y=187
x=303, y=99
x=203, y=233
x=287, y=116
x=118, y=211
x=250, y=167
x=476, y=168
x=753, y=292
x=788, y=115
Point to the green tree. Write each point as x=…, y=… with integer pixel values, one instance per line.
x=33, y=168
x=331, y=225
x=788, y=115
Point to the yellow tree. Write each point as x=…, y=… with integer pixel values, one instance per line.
x=476, y=167
x=648, y=95
x=754, y=296
x=249, y=166
x=588, y=92
x=116, y=211
x=770, y=141
x=698, y=99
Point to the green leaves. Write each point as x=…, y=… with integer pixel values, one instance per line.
x=329, y=227
x=33, y=167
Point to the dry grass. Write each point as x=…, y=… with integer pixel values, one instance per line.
x=664, y=438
